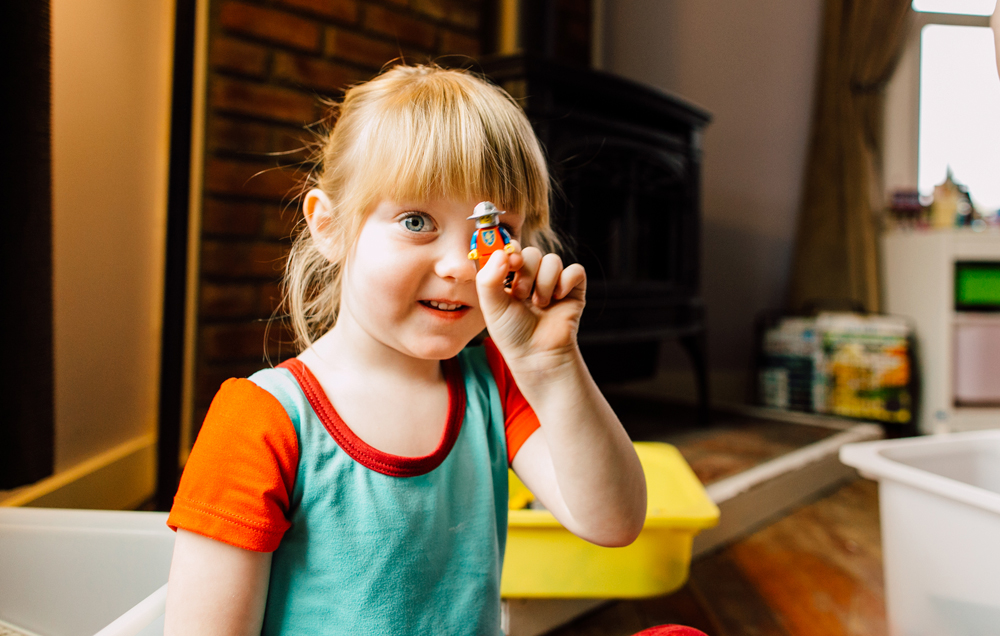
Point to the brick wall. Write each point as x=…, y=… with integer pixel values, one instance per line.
x=269, y=62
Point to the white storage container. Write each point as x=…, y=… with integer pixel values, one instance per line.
x=74, y=572
x=940, y=512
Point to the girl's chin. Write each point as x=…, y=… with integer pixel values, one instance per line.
x=439, y=347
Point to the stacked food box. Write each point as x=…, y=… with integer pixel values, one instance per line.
x=846, y=364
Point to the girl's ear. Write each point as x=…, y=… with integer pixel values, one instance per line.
x=317, y=209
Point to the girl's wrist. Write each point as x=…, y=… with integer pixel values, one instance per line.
x=541, y=376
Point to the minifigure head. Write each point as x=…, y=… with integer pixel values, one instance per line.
x=414, y=133
x=486, y=215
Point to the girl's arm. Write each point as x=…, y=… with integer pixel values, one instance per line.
x=580, y=463
x=215, y=588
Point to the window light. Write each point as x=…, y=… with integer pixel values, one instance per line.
x=964, y=7
x=960, y=111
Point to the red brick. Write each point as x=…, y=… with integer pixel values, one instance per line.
x=240, y=57
x=312, y=73
x=245, y=260
x=231, y=219
x=342, y=10
x=233, y=342
x=281, y=222
x=359, y=49
x=245, y=341
x=228, y=301
x=452, y=42
x=224, y=176
x=294, y=144
x=238, y=136
x=400, y=27
x=267, y=24
x=269, y=102
x=210, y=377
x=458, y=12
x=269, y=299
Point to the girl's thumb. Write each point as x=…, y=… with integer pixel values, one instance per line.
x=493, y=296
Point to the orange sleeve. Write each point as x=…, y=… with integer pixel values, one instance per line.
x=520, y=420
x=239, y=477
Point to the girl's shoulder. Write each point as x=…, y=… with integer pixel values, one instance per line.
x=238, y=479
x=281, y=383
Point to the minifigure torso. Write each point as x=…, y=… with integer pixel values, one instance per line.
x=487, y=240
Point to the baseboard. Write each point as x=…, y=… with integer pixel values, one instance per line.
x=120, y=478
x=751, y=499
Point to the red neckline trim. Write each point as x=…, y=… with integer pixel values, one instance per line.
x=369, y=456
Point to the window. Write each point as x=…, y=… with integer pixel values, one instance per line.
x=943, y=104
x=961, y=7
x=959, y=111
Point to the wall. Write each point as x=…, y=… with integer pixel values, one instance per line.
x=752, y=65
x=270, y=62
x=111, y=69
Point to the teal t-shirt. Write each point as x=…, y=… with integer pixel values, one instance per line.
x=390, y=545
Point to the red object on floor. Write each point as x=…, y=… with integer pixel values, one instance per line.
x=671, y=630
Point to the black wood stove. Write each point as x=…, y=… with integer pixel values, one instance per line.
x=626, y=159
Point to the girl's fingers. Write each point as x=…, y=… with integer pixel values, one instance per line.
x=548, y=277
x=573, y=277
x=514, y=258
x=524, y=279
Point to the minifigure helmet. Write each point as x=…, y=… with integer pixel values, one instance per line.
x=485, y=208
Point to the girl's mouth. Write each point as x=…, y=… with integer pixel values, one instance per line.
x=443, y=306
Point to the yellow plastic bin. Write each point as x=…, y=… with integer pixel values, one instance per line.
x=544, y=560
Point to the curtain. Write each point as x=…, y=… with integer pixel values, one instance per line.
x=835, y=257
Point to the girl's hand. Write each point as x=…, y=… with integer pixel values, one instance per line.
x=535, y=322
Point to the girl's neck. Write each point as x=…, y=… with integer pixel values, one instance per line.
x=348, y=347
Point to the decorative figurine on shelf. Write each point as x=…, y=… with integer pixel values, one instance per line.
x=489, y=236
x=944, y=207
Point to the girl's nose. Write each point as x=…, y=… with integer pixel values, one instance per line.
x=454, y=263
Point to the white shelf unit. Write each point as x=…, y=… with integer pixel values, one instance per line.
x=918, y=274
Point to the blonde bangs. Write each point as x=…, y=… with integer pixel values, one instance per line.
x=447, y=135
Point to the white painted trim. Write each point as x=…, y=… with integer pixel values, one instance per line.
x=728, y=488
x=120, y=478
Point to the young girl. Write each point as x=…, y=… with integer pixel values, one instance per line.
x=361, y=488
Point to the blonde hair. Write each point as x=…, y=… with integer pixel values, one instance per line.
x=413, y=133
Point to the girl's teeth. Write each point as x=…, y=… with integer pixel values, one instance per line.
x=443, y=306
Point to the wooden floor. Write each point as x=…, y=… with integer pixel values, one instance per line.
x=816, y=572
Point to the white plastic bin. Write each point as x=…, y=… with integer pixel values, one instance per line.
x=940, y=511
x=74, y=572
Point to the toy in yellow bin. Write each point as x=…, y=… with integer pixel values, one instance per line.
x=489, y=236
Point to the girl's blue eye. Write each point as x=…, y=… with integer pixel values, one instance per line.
x=418, y=223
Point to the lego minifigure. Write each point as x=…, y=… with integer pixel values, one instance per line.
x=489, y=235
